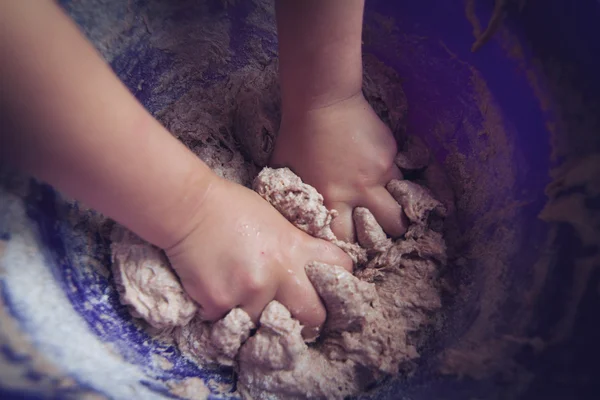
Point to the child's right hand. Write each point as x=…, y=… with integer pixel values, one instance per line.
x=242, y=253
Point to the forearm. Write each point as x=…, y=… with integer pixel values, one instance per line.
x=69, y=121
x=319, y=51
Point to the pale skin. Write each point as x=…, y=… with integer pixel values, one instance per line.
x=329, y=135
x=67, y=119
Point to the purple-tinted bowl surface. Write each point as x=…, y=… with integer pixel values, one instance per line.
x=553, y=32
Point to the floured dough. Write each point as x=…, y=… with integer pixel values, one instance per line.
x=370, y=316
x=147, y=284
x=374, y=317
x=216, y=343
x=189, y=389
x=414, y=154
x=370, y=235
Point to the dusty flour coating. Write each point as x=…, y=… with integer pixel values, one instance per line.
x=373, y=317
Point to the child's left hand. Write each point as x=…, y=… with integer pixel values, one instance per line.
x=347, y=153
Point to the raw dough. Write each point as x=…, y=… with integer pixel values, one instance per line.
x=147, y=284
x=303, y=206
x=375, y=317
x=189, y=389
x=216, y=343
x=414, y=154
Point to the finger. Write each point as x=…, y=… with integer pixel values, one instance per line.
x=387, y=212
x=342, y=225
x=297, y=293
x=328, y=253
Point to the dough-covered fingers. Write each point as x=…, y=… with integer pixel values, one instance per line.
x=387, y=212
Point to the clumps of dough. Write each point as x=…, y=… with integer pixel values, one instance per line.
x=298, y=202
x=152, y=292
x=361, y=344
x=358, y=329
x=228, y=334
x=372, y=318
x=417, y=201
x=375, y=317
x=146, y=283
x=215, y=343
x=277, y=363
x=279, y=341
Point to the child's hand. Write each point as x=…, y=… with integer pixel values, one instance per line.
x=241, y=252
x=347, y=153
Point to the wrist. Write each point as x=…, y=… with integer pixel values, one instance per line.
x=319, y=113
x=320, y=52
x=300, y=103
x=181, y=216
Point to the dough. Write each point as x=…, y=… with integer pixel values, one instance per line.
x=375, y=318
x=414, y=155
x=370, y=316
x=300, y=204
x=146, y=283
x=189, y=388
x=303, y=206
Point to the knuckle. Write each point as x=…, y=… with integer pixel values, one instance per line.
x=255, y=283
x=218, y=304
